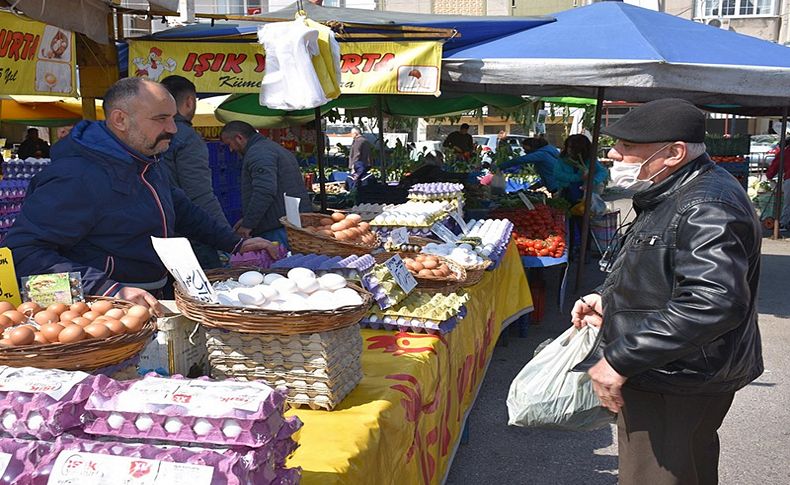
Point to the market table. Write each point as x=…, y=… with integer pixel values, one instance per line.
x=403, y=423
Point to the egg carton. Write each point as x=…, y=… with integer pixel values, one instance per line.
x=413, y=325
x=20, y=455
x=326, y=370
x=422, y=306
x=290, y=379
x=315, y=399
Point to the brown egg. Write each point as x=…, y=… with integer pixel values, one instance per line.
x=69, y=315
x=115, y=313
x=139, y=311
x=439, y=273
x=39, y=339
x=71, y=334
x=430, y=264
x=115, y=327
x=97, y=330
x=29, y=308
x=417, y=266
x=5, y=322
x=79, y=307
x=24, y=335
x=6, y=342
x=337, y=226
x=46, y=316
x=407, y=260
x=354, y=218
x=132, y=323
x=51, y=331
x=326, y=221
x=15, y=316
x=420, y=258
x=91, y=315
x=341, y=235
x=58, y=308
x=338, y=216
x=326, y=232
x=425, y=272
x=369, y=238
x=5, y=306
x=81, y=321
x=101, y=307
x=364, y=226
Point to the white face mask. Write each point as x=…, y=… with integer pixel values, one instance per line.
x=626, y=175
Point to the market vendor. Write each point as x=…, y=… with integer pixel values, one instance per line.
x=96, y=207
x=540, y=154
x=570, y=172
x=460, y=143
x=33, y=146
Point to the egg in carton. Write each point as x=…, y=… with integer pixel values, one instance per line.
x=22, y=456
x=414, y=325
x=43, y=403
x=173, y=464
x=184, y=410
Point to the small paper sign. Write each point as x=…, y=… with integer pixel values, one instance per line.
x=292, y=210
x=177, y=256
x=444, y=234
x=399, y=236
x=402, y=276
x=526, y=201
x=459, y=218
x=46, y=289
x=9, y=290
x=52, y=382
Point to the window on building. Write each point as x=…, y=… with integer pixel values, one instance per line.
x=735, y=8
x=228, y=7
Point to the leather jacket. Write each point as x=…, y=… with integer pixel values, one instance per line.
x=679, y=304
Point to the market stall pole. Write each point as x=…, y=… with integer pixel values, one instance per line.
x=780, y=176
x=319, y=158
x=382, y=151
x=588, y=187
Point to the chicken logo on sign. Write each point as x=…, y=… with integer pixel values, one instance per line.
x=152, y=66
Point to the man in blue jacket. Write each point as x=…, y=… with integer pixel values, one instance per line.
x=95, y=208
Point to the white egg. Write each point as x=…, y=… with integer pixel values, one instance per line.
x=251, y=296
x=267, y=291
x=294, y=303
x=173, y=425
x=331, y=282
x=34, y=421
x=231, y=428
x=307, y=285
x=115, y=420
x=202, y=427
x=271, y=278
x=8, y=420
x=321, y=300
x=143, y=422
x=271, y=305
x=346, y=297
x=300, y=273
x=284, y=286
x=251, y=278
x=227, y=300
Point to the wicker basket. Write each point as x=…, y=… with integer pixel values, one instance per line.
x=254, y=320
x=86, y=355
x=473, y=277
x=303, y=241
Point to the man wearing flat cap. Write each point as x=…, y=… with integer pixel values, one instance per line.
x=677, y=311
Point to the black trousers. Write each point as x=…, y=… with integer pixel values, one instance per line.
x=667, y=439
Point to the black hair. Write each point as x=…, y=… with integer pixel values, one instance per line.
x=238, y=128
x=179, y=87
x=577, y=145
x=465, y=126
x=534, y=143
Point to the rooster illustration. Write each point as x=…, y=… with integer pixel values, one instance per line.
x=152, y=66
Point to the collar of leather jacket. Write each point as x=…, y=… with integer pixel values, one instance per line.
x=662, y=191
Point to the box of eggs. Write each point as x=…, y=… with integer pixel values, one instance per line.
x=436, y=191
x=421, y=312
x=19, y=457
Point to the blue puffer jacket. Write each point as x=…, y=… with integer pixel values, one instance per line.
x=95, y=209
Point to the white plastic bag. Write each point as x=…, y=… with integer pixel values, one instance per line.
x=547, y=394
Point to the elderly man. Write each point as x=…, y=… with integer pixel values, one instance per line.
x=679, y=331
x=96, y=207
x=358, y=157
x=267, y=172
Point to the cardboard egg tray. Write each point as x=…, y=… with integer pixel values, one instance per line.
x=413, y=325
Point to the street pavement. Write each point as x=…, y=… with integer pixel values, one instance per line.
x=755, y=436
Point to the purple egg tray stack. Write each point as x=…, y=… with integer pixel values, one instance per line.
x=436, y=191
x=414, y=325
x=260, y=259
x=352, y=267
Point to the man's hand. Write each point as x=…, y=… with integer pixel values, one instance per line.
x=139, y=296
x=259, y=244
x=243, y=231
x=587, y=310
x=607, y=384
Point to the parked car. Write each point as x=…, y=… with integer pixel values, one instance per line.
x=489, y=144
x=763, y=149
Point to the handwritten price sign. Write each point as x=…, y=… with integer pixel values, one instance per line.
x=402, y=276
x=177, y=255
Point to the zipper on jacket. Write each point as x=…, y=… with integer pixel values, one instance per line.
x=653, y=240
x=156, y=198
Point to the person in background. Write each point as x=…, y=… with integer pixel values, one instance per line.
x=267, y=172
x=678, y=310
x=570, y=172
x=773, y=171
x=186, y=161
x=33, y=146
x=96, y=207
x=358, y=157
x=460, y=143
x=537, y=152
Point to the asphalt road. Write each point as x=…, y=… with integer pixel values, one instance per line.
x=755, y=436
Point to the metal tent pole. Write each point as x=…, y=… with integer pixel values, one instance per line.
x=588, y=188
x=319, y=157
x=382, y=153
x=781, y=176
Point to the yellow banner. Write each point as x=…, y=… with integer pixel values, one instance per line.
x=221, y=67
x=35, y=58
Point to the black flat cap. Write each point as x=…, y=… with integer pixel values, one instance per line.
x=663, y=120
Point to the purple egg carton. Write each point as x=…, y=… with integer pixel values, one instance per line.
x=413, y=325
x=23, y=455
x=261, y=259
x=230, y=413
x=380, y=296
x=43, y=403
x=92, y=462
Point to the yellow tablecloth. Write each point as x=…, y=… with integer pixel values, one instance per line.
x=402, y=423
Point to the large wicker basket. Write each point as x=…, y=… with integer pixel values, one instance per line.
x=86, y=355
x=302, y=241
x=254, y=320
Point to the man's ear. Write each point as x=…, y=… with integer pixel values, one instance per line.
x=677, y=154
x=118, y=120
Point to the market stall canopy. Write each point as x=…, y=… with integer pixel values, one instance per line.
x=51, y=113
x=635, y=54
x=245, y=107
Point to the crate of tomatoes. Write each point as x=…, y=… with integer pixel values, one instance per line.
x=539, y=232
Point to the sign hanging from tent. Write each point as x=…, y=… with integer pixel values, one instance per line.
x=222, y=67
x=35, y=58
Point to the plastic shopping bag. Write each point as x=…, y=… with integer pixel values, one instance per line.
x=547, y=394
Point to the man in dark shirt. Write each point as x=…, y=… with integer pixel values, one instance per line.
x=460, y=142
x=33, y=146
x=359, y=157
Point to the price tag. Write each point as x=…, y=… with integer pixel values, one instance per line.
x=46, y=289
x=526, y=201
x=292, y=210
x=177, y=255
x=459, y=218
x=402, y=276
x=9, y=290
x=399, y=236
x=444, y=234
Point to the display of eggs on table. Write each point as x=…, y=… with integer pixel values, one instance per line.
x=413, y=214
x=30, y=324
x=347, y=228
x=427, y=266
x=300, y=290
